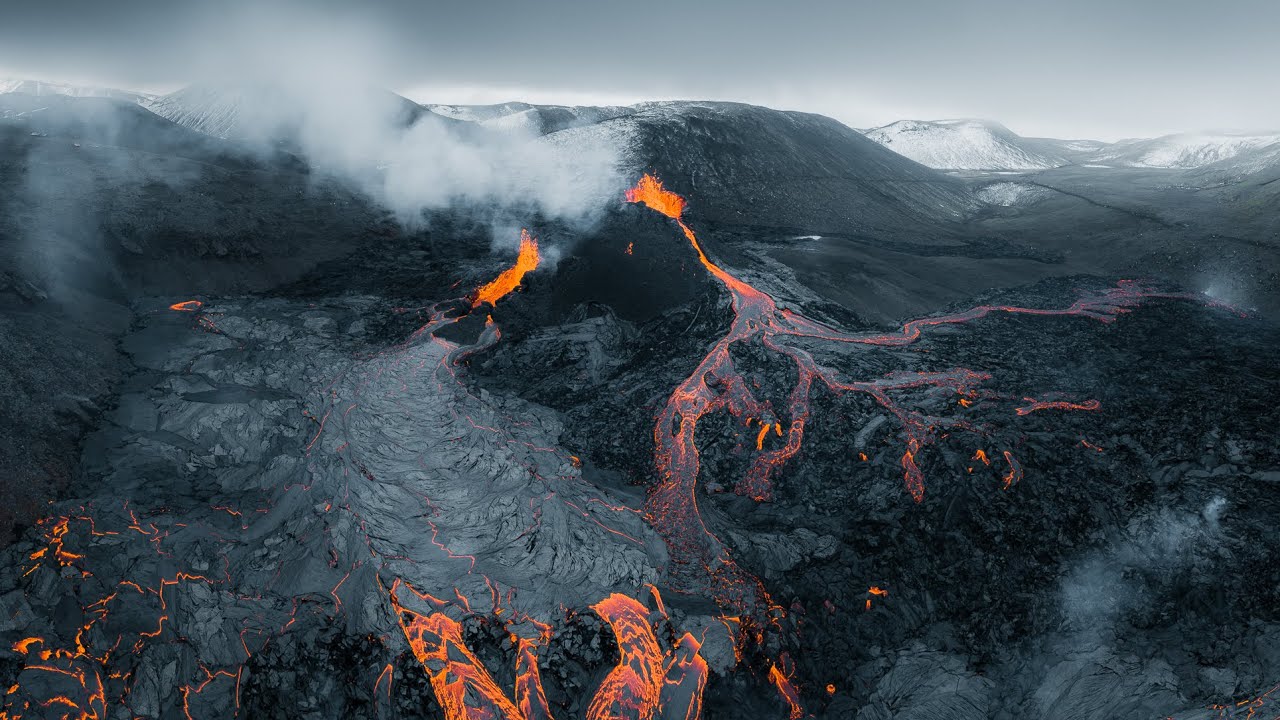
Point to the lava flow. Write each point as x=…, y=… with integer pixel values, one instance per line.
x=645, y=681
x=510, y=279
x=1037, y=405
x=700, y=562
x=145, y=581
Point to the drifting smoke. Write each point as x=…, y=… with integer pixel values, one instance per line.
x=291, y=78
x=1129, y=574
x=268, y=80
x=65, y=210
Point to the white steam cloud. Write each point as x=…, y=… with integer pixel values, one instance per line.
x=314, y=81
x=1106, y=584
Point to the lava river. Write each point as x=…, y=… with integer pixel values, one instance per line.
x=262, y=486
x=700, y=561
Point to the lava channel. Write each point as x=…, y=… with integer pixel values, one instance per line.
x=700, y=561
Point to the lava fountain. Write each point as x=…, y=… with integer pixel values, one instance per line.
x=510, y=279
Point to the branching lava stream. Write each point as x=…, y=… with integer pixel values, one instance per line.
x=353, y=526
x=701, y=562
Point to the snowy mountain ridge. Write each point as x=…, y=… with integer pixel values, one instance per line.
x=949, y=144
x=1186, y=150
x=43, y=88
x=961, y=145
x=985, y=145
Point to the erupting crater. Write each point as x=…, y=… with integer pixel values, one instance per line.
x=526, y=262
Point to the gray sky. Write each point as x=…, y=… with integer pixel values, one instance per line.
x=1071, y=68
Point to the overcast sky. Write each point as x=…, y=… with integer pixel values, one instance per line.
x=1069, y=68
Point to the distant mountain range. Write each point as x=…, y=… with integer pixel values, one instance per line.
x=793, y=167
x=977, y=145
x=239, y=112
x=986, y=145
x=41, y=88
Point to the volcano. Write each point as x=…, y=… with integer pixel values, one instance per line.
x=787, y=425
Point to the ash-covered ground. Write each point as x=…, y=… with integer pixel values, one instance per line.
x=282, y=462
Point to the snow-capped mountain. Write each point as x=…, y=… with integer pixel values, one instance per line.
x=1249, y=152
x=975, y=145
x=1266, y=158
x=986, y=145
x=219, y=111
x=42, y=88
x=268, y=112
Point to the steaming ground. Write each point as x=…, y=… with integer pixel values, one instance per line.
x=295, y=444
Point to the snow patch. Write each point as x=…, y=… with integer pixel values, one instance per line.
x=1190, y=150
x=959, y=145
x=1008, y=194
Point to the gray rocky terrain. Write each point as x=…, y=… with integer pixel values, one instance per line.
x=270, y=456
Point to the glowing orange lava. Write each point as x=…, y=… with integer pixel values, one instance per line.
x=649, y=191
x=462, y=686
x=186, y=306
x=644, y=683
x=875, y=591
x=1249, y=709
x=700, y=561
x=787, y=692
x=632, y=688
x=510, y=279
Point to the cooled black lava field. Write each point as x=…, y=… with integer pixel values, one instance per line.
x=789, y=427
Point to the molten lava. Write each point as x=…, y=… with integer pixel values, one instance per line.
x=875, y=591
x=632, y=688
x=462, y=686
x=510, y=279
x=86, y=672
x=1037, y=405
x=700, y=562
x=787, y=692
x=644, y=683
x=649, y=191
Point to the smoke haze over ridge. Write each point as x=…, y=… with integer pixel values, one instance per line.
x=1087, y=69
